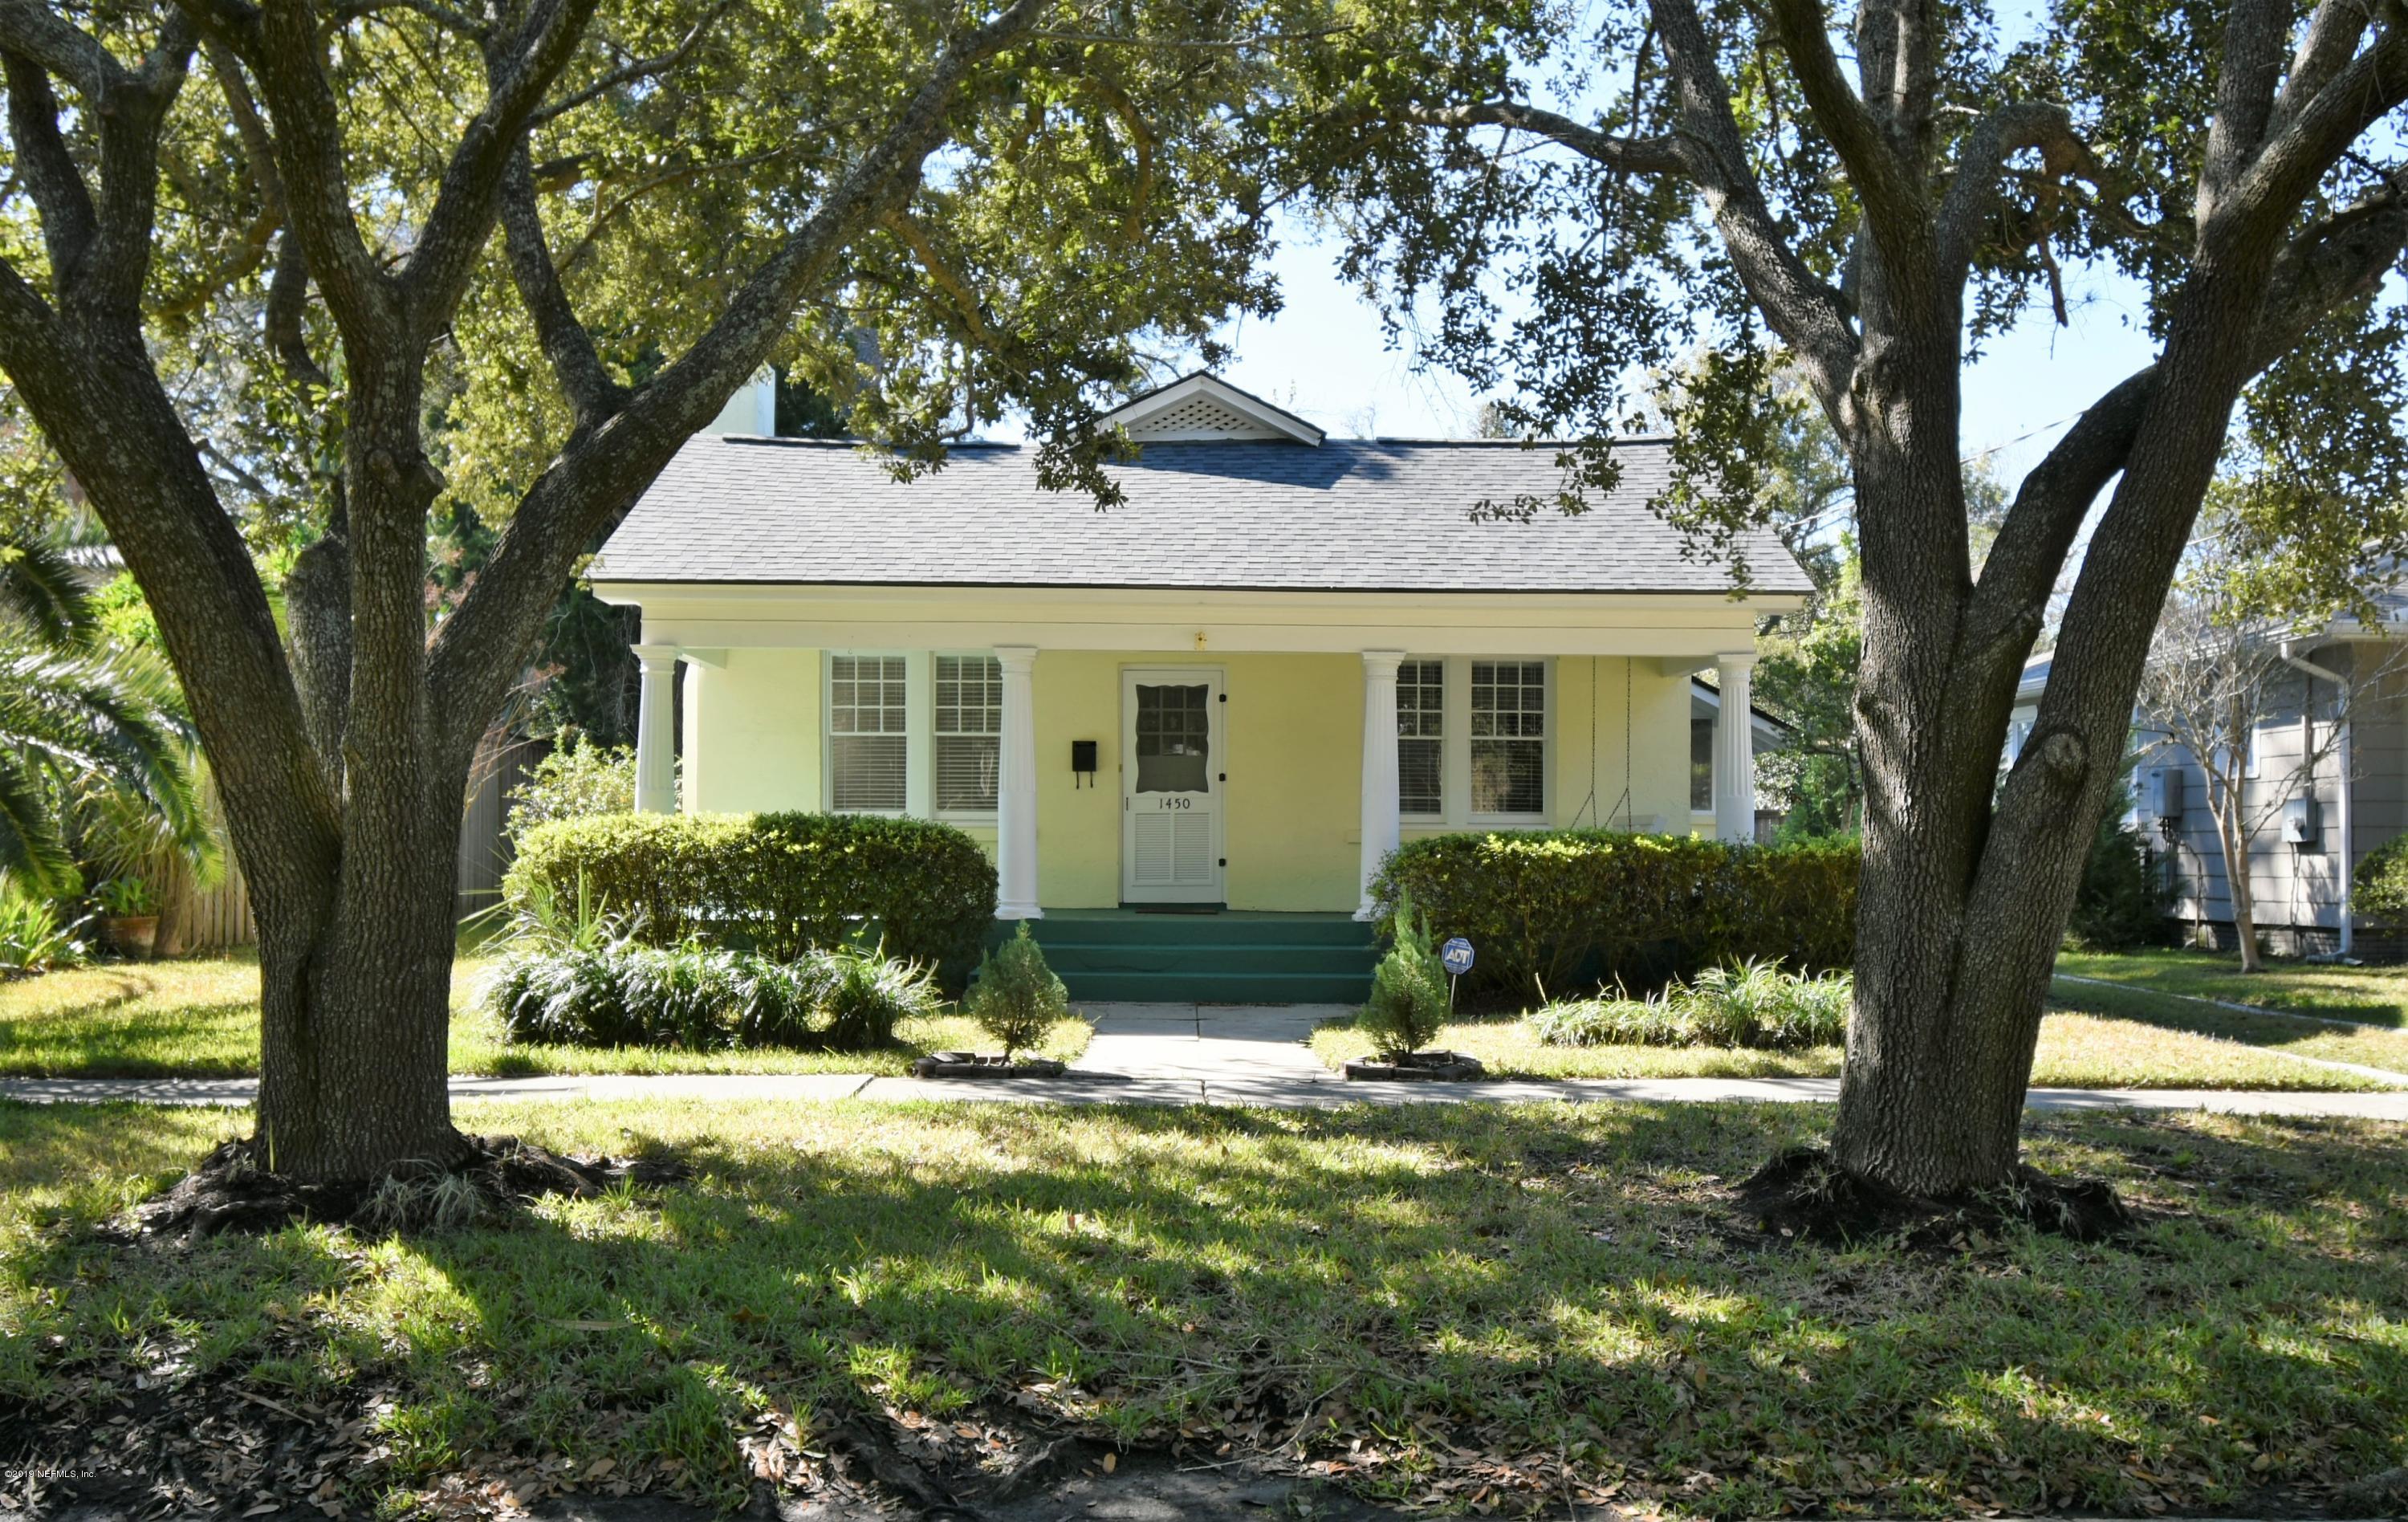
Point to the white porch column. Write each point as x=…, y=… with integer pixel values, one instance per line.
x=1380, y=817
x=656, y=737
x=1015, y=800
x=1734, y=747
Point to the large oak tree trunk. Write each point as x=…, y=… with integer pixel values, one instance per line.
x=1968, y=884
x=356, y=1004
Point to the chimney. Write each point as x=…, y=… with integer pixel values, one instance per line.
x=752, y=410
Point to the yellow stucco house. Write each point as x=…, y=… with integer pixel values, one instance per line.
x=1284, y=655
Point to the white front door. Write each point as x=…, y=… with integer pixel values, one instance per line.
x=1172, y=769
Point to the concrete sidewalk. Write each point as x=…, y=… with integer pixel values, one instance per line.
x=1197, y=1055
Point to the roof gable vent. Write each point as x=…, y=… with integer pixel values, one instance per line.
x=1203, y=407
x=1200, y=417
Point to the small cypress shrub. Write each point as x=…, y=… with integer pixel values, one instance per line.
x=1016, y=998
x=1407, y=989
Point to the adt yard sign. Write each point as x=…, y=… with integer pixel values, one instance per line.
x=1456, y=957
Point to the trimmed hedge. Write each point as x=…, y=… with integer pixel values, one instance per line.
x=1559, y=908
x=776, y=884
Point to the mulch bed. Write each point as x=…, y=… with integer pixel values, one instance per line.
x=989, y=1065
x=1802, y=1194
x=1417, y=1067
x=231, y=1190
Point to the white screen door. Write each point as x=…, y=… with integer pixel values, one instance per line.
x=1171, y=771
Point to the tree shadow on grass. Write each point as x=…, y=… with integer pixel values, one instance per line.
x=1546, y=1289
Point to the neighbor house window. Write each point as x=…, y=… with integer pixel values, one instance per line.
x=1421, y=733
x=969, y=732
x=1508, y=737
x=866, y=740
x=1701, y=761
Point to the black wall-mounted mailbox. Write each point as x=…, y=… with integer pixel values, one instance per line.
x=1082, y=762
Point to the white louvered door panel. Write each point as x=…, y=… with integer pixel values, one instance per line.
x=1154, y=851
x=1172, y=774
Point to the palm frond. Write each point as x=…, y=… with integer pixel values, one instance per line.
x=31, y=846
x=40, y=587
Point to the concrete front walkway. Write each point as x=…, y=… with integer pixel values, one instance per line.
x=1189, y=1055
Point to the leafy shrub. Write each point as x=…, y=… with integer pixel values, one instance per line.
x=126, y=895
x=622, y=993
x=777, y=884
x=2379, y=893
x=1754, y=1003
x=32, y=939
x=577, y=780
x=1016, y=998
x=1408, y=1001
x=1547, y=909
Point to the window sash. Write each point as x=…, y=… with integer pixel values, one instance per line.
x=1421, y=738
x=969, y=733
x=869, y=754
x=865, y=773
x=1509, y=738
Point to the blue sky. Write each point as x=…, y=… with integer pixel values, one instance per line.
x=1325, y=358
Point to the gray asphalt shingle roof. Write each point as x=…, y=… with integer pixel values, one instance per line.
x=1351, y=515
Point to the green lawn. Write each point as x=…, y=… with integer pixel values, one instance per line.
x=2378, y=995
x=200, y=1018
x=2147, y=1050
x=1458, y=1305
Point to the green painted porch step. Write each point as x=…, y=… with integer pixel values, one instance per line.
x=1228, y=958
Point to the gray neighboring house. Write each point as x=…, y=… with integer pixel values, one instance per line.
x=2301, y=861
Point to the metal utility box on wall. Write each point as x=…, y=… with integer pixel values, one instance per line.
x=1083, y=763
x=2302, y=821
x=2165, y=799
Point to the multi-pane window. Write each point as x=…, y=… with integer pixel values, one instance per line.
x=866, y=737
x=969, y=732
x=1508, y=737
x=1421, y=735
x=1174, y=738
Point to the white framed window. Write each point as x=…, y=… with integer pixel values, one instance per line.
x=1508, y=739
x=1421, y=738
x=969, y=733
x=869, y=750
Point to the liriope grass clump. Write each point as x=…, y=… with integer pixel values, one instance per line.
x=1756, y=1003
x=621, y=993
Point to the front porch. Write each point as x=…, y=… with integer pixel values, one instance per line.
x=1261, y=753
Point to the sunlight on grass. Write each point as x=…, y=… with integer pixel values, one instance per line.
x=2076, y=1050
x=199, y=1018
x=2376, y=994
x=2144, y=978
x=1539, y=1278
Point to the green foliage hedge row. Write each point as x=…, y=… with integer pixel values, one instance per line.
x=777, y=884
x=1559, y=908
